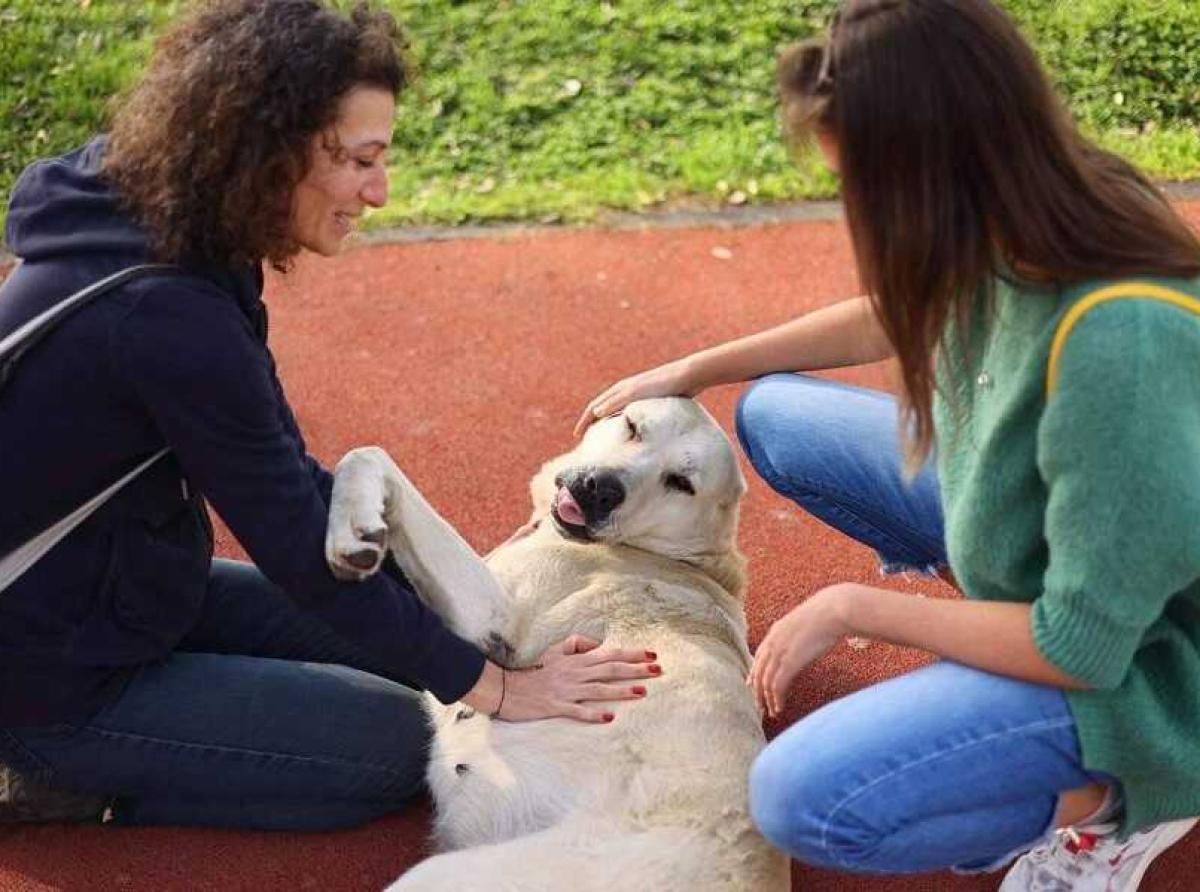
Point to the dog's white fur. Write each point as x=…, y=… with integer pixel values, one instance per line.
x=657, y=798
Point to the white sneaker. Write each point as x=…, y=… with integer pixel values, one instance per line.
x=1091, y=859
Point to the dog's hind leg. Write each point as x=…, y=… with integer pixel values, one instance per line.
x=376, y=508
x=588, y=856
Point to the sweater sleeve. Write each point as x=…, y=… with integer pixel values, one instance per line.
x=207, y=383
x=1119, y=450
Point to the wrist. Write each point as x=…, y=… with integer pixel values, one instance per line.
x=845, y=605
x=487, y=694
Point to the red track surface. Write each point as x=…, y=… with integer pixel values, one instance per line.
x=469, y=361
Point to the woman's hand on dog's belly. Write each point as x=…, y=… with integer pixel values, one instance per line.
x=569, y=677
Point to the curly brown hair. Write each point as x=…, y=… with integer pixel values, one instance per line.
x=208, y=146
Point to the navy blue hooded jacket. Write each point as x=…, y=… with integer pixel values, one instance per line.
x=177, y=359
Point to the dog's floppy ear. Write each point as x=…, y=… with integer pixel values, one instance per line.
x=728, y=570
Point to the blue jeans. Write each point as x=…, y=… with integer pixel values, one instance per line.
x=945, y=767
x=264, y=718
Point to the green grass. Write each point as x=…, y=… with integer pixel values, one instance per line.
x=60, y=61
x=556, y=109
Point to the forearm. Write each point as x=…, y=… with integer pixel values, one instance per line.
x=405, y=638
x=843, y=334
x=993, y=636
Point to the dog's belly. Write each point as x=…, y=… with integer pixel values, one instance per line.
x=676, y=762
x=651, y=767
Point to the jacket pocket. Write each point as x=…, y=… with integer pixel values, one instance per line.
x=161, y=572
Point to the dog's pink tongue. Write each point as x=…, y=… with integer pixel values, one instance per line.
x=568, y=509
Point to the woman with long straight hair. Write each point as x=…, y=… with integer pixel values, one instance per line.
x=1040, y=298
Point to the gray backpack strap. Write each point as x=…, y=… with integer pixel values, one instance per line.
x=12, y=348
x=16, y=562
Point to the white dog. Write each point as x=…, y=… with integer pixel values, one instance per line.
x=639, y=552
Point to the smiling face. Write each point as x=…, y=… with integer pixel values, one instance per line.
x=347, y=171
x=660, y=476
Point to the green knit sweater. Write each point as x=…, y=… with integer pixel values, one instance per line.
x=1087, y=505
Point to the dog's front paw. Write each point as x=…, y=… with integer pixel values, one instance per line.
x=354, y=550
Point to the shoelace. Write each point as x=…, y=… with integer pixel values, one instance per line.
x=1077, y=841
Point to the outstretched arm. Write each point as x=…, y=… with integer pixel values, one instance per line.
x=843, y=334
x=990, y=635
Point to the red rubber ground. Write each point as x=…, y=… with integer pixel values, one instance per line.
x=469, y=361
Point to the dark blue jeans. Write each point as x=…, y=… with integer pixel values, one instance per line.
x=945, y=767
x=264, y=718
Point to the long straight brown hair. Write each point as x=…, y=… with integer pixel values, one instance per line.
x=958, y=160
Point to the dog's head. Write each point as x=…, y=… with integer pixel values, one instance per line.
x=660, y=476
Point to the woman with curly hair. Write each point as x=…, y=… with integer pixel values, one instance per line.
x=1062, y=719
x=140, y=679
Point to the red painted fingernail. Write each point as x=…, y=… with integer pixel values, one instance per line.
x=639, y=690
x=654, y=669
x=651, y=655
x=608, y=717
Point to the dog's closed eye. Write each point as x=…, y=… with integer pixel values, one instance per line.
x=679, y=482
x=634, y=433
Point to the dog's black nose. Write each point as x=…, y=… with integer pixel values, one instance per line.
x=598, y=494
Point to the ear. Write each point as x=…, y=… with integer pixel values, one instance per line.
x=742, y=486
x=728, y=569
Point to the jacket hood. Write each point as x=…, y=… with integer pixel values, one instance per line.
x=61, y=206
x=63, y=209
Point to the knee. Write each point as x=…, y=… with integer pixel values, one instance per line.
x=385, y=742
x=408, y=765
x=781, y=793
x=755, y=411
x=767, y=425
x=797, y=807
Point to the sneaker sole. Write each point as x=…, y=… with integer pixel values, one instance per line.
x=1178, y=830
